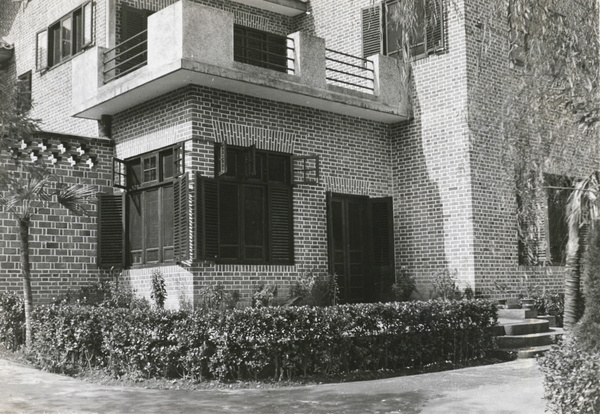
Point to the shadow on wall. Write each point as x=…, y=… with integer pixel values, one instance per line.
x=418, y=209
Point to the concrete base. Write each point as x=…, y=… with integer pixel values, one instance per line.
x=517, y=313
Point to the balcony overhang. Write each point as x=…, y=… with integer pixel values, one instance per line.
x=199, y=51
x=285, y=7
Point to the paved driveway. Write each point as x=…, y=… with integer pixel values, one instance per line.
x=512, y=387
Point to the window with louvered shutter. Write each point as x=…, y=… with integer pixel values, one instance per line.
x=207, y=218
x=181, y=234
x=110, y=231
x=371, y=30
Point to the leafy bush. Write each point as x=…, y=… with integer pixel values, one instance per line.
x=12, y=320
x=218, y=298
x=264, y=342
x=159, y=292
x=445, y=285
x=404, y=286
x=571, y=380
x=105, y=293
x=316, y=289
x=551, y=304
x=264, y=295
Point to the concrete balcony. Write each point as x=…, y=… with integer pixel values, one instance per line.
x=198, y=49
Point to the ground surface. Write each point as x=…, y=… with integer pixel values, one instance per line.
x=511, y=387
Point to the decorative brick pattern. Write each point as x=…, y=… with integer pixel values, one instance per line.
x=245, y=136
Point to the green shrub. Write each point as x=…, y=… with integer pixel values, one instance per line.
x=315, y=289
x=105, y=293
x=217, y=298
x=404, y=286
x=159, y=292
x=571, y=380
x=551, y=304
x=264, y=295
x=445, y=285
x=12, y=320
x=264, y=342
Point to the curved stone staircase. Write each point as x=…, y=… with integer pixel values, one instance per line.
x=520, y=332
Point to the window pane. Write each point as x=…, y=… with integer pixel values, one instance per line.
x=228, y=223
x=66, y=37
x=134, y=221
x=42, y=50
x=254, y=223
x=150, y=169
x=166, y=163
x=54, y=44
x=134, y=173
x=87, y=24
x=166, y=222
x=279, y=168
x=393, y=30
x=77, y=31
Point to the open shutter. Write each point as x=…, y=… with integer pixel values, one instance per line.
x=281, y=246
x=111, y=231
x=181, y=227
x=42, y=51
x=207, y=223
x=434, y=16
x=305, y=169
x=250, y=161
x=119, y=173
x=381, y=226
x=371, y=30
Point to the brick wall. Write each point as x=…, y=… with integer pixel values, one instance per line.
x=62, y=246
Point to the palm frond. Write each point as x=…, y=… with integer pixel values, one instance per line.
x=74, y=197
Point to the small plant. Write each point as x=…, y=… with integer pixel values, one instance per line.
x=404, y=286
x=445, y=285
x=315, y=289
x=527, y=289
x=12, y=320
x=217, y=298
x=159, y=291
x=264, y=295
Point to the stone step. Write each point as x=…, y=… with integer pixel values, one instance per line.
x=529, y=340
x=550, y=318
x=517, y=313
x=526, y=326
x=530, y=352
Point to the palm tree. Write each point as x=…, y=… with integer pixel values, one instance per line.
x=582, y=210
x=24, y=190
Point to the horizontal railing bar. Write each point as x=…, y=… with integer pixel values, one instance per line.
x=127, y=51
x=125, y=72
x=126, y=41
x=352, y=84
x=350, y=64
x=346, y=54
x=349, y=74
x=127, y=60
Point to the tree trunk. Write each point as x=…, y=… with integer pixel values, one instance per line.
x=26, y=273
x=575, y=250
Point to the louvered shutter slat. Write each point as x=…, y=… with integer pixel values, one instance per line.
x=207, y=230
x=371, y=30
x=181, y=242
x=110, y=231
x=280, y=203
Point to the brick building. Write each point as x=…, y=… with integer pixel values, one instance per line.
x=247, y=142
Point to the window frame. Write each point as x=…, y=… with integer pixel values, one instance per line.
x=247, y=177
x=81, y=37
x=24, y=103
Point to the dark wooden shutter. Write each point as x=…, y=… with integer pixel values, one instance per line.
x=110, y=231
x=181, y=233
x=250, y=161
x=434, y=15
x=371, y=30
x=281, y=232
x=207, y=223
x=119, y=173
x=381, y=225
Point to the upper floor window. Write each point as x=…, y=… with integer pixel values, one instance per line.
x=383, y=29
x=258, y=48
x=66, y=37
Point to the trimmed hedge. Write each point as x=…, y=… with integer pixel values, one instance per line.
x=12, y=320
x=259, y=343
x=571, y=379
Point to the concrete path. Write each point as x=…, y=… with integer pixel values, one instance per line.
x=512, y=387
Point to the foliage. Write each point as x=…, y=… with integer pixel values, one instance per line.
x=571, y=380
x=104, y=293
x=12, y=320
x=445, y=285
x=264, y=295
x=551, y=304
x=316, y=289
x=215, y=297
x=259, y=343
x=159, y=292
x=404, y=286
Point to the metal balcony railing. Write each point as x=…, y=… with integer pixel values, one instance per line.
x=126, y=57
x=262, y=49
x=349, y=71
